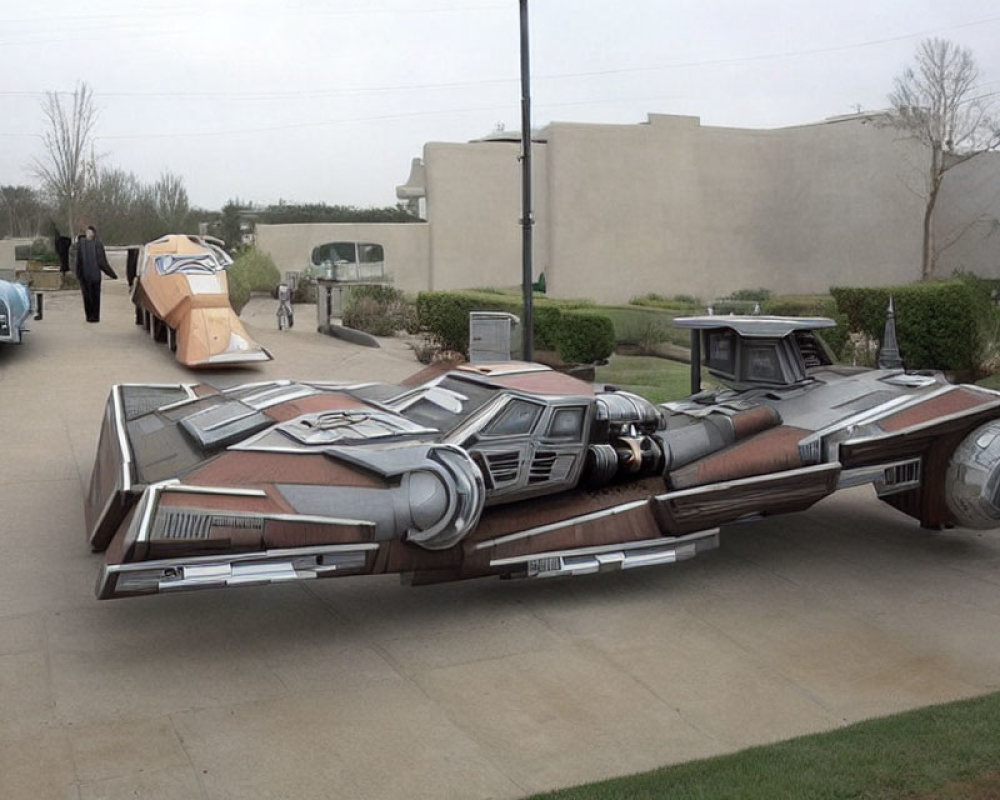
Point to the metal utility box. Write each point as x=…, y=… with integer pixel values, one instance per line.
x=489, y=335
x=329, y=300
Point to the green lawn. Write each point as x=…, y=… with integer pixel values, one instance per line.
x=943, y=751
x=635, y=324
x=657, y=379
x=991, y=381
x=939, y=753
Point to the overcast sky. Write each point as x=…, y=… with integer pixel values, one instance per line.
x=328, y=100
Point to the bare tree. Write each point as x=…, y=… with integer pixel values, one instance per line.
x=934, y=101
x=171, y=201
x=68, y=139
x=25, y=211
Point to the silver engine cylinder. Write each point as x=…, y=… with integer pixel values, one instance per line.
x=622, y=409
x=972, y=483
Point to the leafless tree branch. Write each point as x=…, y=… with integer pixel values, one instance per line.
x=932, y=101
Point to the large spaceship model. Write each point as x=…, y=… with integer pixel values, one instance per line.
x=519, y=471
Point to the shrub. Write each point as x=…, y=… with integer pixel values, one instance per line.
x=758, y=295
x=646, y=334
x=368, y=315
x=379, y=310
x=938, y=325
x=585, y=337
x=727, y=305
x=239, y=289
x=679, y=302
x=39, y=250
x=258, y=270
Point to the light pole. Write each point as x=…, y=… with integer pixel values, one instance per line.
x=527, y=317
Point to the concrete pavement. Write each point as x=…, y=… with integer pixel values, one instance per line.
x=486, y=689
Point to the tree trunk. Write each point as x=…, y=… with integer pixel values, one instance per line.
x=927, y=259
x=927, y=250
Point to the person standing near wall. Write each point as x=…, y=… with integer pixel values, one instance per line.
x=91, y=261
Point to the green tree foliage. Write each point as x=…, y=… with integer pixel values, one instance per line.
x=229, y=225
x=321, y=212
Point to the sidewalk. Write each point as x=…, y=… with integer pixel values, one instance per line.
x=363, y=688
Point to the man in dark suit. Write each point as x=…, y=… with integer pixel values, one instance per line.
x=91, y=261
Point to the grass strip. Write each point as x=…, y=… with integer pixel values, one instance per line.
x=913, y=754
x=656, y=379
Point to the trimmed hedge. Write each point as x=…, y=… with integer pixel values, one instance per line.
x=565, y=326
x=938, y=325
x=584, y=337
x=813, y=306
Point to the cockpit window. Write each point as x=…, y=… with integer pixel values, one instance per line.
x=444, y=405
x=168, y=264
x=567, y=423
x=517, y=418
x=762, y=363
x=721, y=352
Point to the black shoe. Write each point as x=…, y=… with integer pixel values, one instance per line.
x=92, y=320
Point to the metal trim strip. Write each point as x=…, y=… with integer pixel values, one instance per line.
x=223, y=490
x=126, y=453
x=554, y=526
x=643, y=544
x=768, y=477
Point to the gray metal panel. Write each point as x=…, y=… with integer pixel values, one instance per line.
x=756, y=326
x=489, y=336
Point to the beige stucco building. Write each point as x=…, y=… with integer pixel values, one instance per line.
x=675, y=207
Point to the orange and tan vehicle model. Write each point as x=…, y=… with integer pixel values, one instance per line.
x=181, y=296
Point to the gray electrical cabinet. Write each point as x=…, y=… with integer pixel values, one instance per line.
x=490, y=335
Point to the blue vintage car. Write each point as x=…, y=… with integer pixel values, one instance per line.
x=16, y=306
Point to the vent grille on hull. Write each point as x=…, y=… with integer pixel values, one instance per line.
x=503, y=466
x=139, y=400
x=541, y=467
x=188, y=525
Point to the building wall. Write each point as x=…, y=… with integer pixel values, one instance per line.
x=967, y=218
x=674, y=207
x=474, y=213
x=677, y=208
x=406, y=245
